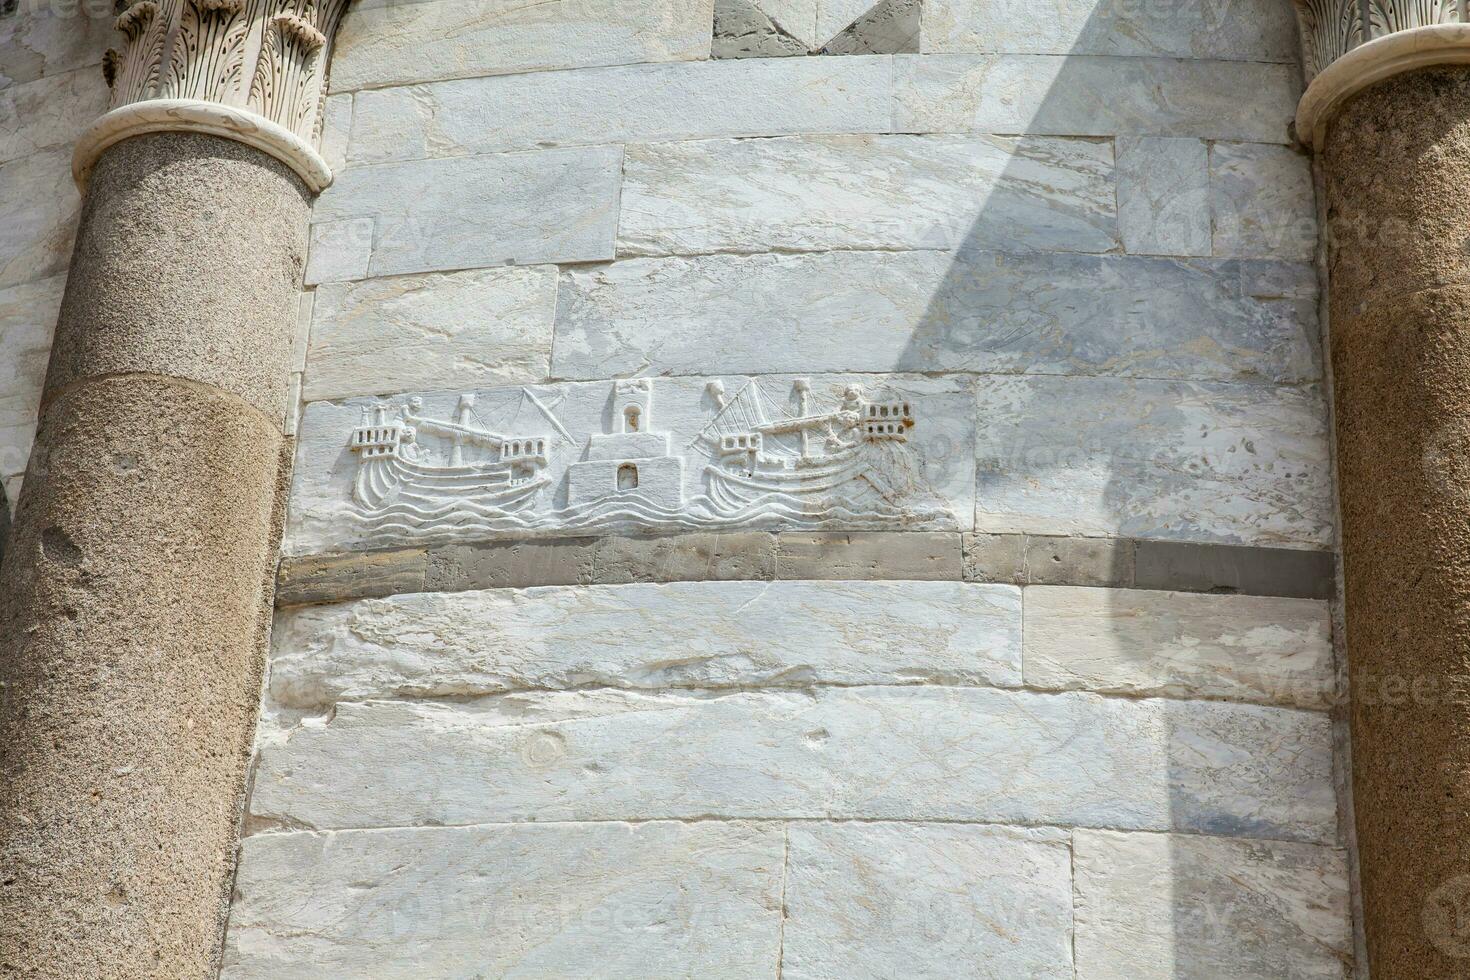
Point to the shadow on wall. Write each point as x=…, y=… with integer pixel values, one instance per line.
x=1129, y=378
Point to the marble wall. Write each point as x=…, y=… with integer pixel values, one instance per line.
x=591, y=268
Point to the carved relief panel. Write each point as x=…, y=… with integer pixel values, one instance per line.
x=267, y=56
x=642, y=454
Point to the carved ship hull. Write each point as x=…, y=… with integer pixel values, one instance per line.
x=800, y=483
x=389, y=480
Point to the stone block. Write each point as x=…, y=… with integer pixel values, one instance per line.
x=1183, y=461
x=1252, y=571
x=384, y=43
x=1262, y=203
x=1161, y=906
x=919, y=480
x=835, y=16
x=828, y=555
x=1149, y=644
x=1025, y=559
x=888, y=27
x=340, y=251
x=355, y=575
x=979, y=311
x=688, y=635
x=1047, y=95
x=814, y=194
x=38, y=216
x=873, y=753
x=927, y=900
x=50, y=111
x=27, y=318
x=451, y=330
x=15, y=447
x=510, y=564
x=744, y=29
x=45, y=39
x=1250, y=30
x=469, y=212
x=580, y=900
x=337, y=130
x=729, y=556
x=1163, y=195
x=633, y=104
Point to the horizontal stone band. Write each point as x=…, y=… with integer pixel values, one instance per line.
x=1368, y=64
x=198, y=116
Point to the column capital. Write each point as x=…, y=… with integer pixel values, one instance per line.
x=1348, y=45
x=248, y=70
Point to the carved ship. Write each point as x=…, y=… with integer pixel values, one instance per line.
x=393, y=468
x=805, y=459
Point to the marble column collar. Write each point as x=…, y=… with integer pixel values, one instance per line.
x=199, y=116
x=1372, y=62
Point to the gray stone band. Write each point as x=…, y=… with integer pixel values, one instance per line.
x=1016, y=559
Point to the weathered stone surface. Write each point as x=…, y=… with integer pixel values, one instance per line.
x=386, y=43
x=569, y=900
x=43, y=38
x=38, y=216
x=1251, y=30
x=796, y=17
x=331, y=578
x=452, y=330
x=868, y=192
x=27, y=318
x=520, y=208
x=15, y=447
x=1163, y=195
x=1234, y=464
x=910, y=753
x=889, y=27
x=1261, y=201
x=1027, y=559
x=1251, y=571
x=927, y=900
x=736, y=556
x=917, y=556
x=12, y=492
x=638, y=103
x=742, y=29
x=340, y=250
x=924, y=483
x=1162, y=907
x=935, y=311
x=337, y=122
x=1122, y=641
x=699, y=635
x=50, y=111
x=834, y=16
x=1049, y=95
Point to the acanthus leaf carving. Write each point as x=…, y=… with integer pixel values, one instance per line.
x=1332, y=28
x=133, y=73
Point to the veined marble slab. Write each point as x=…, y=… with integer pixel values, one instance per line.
x=1163, y=906
x=812, y=194
x=467, y=329
x=1122, y=641
x=927, y=900
x=385, y=42
x=1174, y=460
x=688, y=635
x=1042, y=94
x=1164, y=195
x=50, y=111
x=1262, y=202
x=1243, y=30
x=469, y=212
x=569, y=461
x=27, y=318
x=980, y=311
x=534, y=900
x=38, y=216
x=638, y=103
x=883, y=753
x=44, y=38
